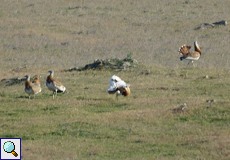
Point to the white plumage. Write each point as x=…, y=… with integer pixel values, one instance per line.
x=118, y=86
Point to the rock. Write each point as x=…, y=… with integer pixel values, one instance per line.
x=114, y=64
x=12, y=81
x=212, y=25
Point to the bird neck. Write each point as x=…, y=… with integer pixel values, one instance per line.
x=27, y=84
x=49, y=78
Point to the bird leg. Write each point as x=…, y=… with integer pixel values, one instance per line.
x=55, y=94
x=117, y=94
x=192, y=64
x=191, y=61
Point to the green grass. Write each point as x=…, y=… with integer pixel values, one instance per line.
x=87, y=123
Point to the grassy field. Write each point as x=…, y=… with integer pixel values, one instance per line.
x=86, y=122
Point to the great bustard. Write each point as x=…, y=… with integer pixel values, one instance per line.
x=31, y=88
x=54, y=85
x=184, y=50
x=118, y=86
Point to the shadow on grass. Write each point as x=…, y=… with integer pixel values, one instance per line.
x=107, y=107
x=24, y=137
x=23, y=97
x=89, y=130
x=91, y=99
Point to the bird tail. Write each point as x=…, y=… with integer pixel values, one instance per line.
x=197, y=47
x=61, y=89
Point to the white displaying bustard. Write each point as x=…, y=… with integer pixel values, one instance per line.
x=54, y=85
x=184, y=50
x=118, y=86
x=31, y=88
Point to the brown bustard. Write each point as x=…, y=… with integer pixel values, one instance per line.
x=186, y=54
x=31, y=88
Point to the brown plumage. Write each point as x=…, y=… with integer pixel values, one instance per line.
x=180, y=109
x=54, y=85
x=36, y=80
x=125, y=91
x=30, y=88
x=184, y=50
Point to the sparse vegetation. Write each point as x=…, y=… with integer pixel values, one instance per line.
x=115, y=64
x=86, y=122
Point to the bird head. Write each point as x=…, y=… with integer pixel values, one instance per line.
x=184, y=49
x=27, y=77
x=51, y=72
x=36, y=79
